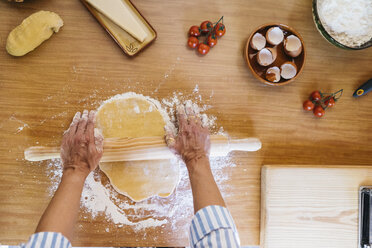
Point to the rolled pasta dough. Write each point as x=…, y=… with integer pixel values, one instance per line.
x=135, y=116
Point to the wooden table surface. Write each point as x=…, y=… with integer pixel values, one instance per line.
x=81, y=65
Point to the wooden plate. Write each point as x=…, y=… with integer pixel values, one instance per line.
x=258, y=70
x=126, y=42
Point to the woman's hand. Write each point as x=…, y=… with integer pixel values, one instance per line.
x=81, y=149
x=192, y=142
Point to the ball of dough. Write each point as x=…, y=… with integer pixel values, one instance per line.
x=33, y=31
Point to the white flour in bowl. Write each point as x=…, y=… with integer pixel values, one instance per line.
x=347, y=21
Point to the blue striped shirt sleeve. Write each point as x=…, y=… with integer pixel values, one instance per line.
x=213, y=226
x=47, y=240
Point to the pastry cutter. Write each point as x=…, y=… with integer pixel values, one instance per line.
x=363, y=89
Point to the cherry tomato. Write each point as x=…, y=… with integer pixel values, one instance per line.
x=318, y=111
x=316, y=96
x=212, y=40
x=330, y=102
x=308, y=105
x=206, y=26
x=194, y=31
x=220, y=30
x=203, y=48
x=193, y=42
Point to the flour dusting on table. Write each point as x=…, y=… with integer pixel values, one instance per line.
x=100, y=199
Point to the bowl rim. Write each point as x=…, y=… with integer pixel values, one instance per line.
x=324, y=33
x=246, y=55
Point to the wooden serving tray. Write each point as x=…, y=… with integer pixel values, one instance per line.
x=126, y=42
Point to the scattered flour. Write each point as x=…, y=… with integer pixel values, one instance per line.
x=169, y=104
x=97, y=199
x=23, y=124
x=100, y=199
x=19, y=129
x=196, y=89
x=167, y=74
x=54, y=173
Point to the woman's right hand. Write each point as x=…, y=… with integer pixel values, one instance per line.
x=192, y=143
x=81, y=148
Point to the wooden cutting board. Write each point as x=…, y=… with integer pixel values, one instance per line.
x=311, y=207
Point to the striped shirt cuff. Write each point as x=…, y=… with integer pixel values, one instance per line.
x=47, y=239
x=213, y=226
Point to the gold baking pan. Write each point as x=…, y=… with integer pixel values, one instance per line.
x=126, y=42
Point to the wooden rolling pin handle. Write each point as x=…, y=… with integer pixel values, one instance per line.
x=249, y=145
x=39, y=153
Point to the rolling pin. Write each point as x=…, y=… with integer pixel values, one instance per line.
x=146, y=148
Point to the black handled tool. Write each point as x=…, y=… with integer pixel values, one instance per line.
x=363, y=89
x=365, y=199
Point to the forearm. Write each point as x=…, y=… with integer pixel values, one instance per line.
x=61, y=213
x=204, y=188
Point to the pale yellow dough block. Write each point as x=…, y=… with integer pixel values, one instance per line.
x=33, y=31
x=136, y=117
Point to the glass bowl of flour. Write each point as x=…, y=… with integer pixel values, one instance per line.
x=344, y=23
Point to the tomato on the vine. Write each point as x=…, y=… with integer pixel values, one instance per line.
x=316, y=96
x=330, y=102
x=193, y=42
x=209, y=32
x=308, y=105
x=212, y=40
x=203, y=48
x=194, y=31
x=206, y=26
x=318, y=111
x=220, y=30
